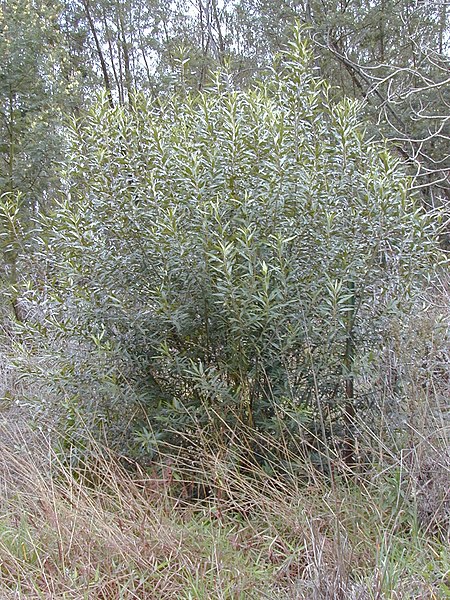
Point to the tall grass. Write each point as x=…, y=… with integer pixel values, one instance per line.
x=214, y=528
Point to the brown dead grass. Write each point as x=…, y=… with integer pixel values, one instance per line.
x=110, y=533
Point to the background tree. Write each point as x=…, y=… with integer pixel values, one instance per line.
x=34, y=88
x=30, y=98
x=393, y=55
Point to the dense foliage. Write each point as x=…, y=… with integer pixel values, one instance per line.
x=228, y=257
x=234, y=276
x=58, y=55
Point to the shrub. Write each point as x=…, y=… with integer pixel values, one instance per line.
x=229, y=259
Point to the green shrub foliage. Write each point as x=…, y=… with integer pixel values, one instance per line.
x=230, y=257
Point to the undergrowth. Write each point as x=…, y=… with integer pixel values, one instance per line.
x=217, y=528
x=210, y=520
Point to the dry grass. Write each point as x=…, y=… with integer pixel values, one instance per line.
x=122, y=534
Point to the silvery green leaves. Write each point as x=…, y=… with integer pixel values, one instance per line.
x=233, y=247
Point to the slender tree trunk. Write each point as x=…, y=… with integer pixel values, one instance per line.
x=220, y=41
x=202, y=43
x=382, y=25
x=111, y=54
x=10, y=127
x=103, y=66
x=442, y=26
x=126, y=53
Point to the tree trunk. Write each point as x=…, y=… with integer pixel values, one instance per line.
x=103, y=66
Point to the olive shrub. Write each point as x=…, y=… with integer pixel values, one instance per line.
x=230, y=257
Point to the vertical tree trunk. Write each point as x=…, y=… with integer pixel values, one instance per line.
x=111, y=54
x=220, y=41
x=126, y=52
x=382, y=26
x=10, y=127
x=442, y=26
x=103, y=65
